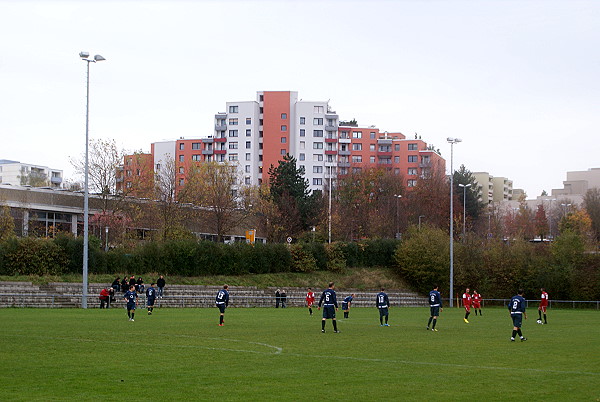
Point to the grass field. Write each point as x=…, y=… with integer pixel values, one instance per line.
x=269, y=354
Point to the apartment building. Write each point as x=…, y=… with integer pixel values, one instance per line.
x=579, y=182
x=16, y=173
x=255, y=135
x=493, y=189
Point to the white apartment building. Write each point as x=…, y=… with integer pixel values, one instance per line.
x=16, y=173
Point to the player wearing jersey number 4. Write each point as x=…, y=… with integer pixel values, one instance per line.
x=543, y=306
x=310, y=300
x=329, y=302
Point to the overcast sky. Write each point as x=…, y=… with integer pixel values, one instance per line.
x=518, y=81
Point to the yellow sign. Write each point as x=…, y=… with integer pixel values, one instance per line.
x=250, y=236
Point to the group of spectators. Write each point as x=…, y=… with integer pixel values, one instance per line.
x=123, y=285
x=280, y=298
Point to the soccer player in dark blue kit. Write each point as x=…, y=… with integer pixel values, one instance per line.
x=516, y=307
x=346, y=305
x=435, y=306
x=222, y=301
x=329, y=302
x=383, y=303
x=131, y=298
x=150, y=297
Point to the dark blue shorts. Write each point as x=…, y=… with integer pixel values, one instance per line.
x=435, y=311
x=151, y=302
x=517, y=319
x=383, y=311
x=130, y=306
x=328, y=311
x=344, y=306
x=221, y=308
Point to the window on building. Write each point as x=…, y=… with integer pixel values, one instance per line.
x=412, y=171
x=396, y=170
x=283, y=116
x=343, y=170
x=247, y=168
x=319, y=109
x=302, y=132
x=317, y=145
x=248, y=120
x=260, y=122
x=317, y=169
x=233, y=157
x=331, y=122
x=412, y=158
x=261, y=98
x=372, y=159
x=247, y=181
x=158, y=166
x=411, y=183
x=196, y=158
x=260, y=145
x=283, y=140
x=128, y=185
x=233, y=145
x=195, y=145
x=372, y=147
x=233, y=122
x=318, y=121
x=181, y=146
x=301, y=157
x=302, y=144
x=330, y=158
x=425, y=159
x=317, y=157
x=129, y=161
x=356, y=159
x=261, y=110
x=128, y=173
x=385, y=148
x=396, y=147
x=356, y=170
x=248, y=144
x=372, y=135
x=282, y=151
x=260, y=134
x=182, y=170
x=412, y=147
x=248, y=132
x=317, y=133
x=181, y=182
x=181, y=158
x=357, y=134
x=344, y=134
x=396, y=159
x=233, y=133
x=283, y=128
x=302, y=120
x=233, y=109
x=357, y=147
x=248, y=157
x=260, y=158
x=317, y=181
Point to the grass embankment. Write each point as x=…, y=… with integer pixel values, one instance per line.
x=351, y=278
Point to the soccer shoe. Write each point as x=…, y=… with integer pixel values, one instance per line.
x=386, y=325
x=220, y=325
x=337, y=332
x=523, y=339
x=323, y=331
x=434, y=330
x=512, y=339
x=467, y=321
x=427, y=328
x=132, y=319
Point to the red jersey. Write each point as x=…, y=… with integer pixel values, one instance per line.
x=476, y=299
x=310, y=298
x=466, y=300
x=544, y=300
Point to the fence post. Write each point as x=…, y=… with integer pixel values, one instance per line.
x=52, y=301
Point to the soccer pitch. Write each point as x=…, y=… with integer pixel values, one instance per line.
x=276, y=354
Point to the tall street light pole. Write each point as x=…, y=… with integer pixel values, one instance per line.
x=398, y=196
x=452, y=141
x=85, y=56
x=464, y=186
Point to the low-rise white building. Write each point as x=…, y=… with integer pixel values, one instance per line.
x=16, y=173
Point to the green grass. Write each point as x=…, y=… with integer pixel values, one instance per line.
x=281, y=354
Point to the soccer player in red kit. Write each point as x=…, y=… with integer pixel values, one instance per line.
x=476, y=302
x=310, y=299
x=543, y=306
x=466, y=298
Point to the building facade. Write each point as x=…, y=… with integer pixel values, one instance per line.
x=16, y=173
x=579, y=182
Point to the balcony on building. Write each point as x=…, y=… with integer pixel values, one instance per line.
x=331, y=128
x=332, y=152
x=384, y=141
x=331, y=115
x=220, y=116
x=220, y=127
x=220, y=151
x=207, y=152
x=347, y=152
x=220, y=139
x=426, y=164
x=119, y=180
x=344, y=164
x=56, y=180
x=330, y=139
x=208, y=140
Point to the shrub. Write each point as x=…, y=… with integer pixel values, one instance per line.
x=33, y=256
x=302, y=259
x=335, y=257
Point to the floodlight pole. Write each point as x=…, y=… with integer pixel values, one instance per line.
x=452, y=141
x=86, y=195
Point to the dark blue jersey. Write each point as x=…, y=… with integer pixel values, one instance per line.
x=382, y=300
x=130, y=297
x=435, y=299
x=222, y=297
x=328, y=298
x=150, y=293
x=517, y=305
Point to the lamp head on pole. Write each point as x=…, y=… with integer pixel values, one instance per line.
x=98, y=58
x=84, y=55
x=453, y=140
